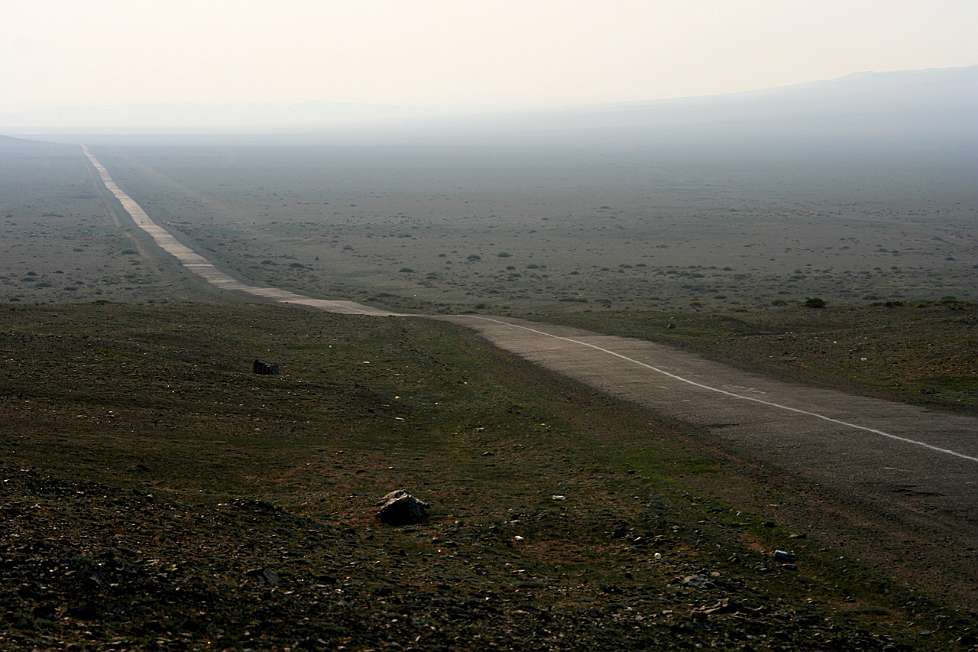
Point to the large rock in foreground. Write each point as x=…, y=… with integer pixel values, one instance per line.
x=401, y=508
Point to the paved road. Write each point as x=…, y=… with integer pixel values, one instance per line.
x=912, y=465
x=910, y=457
x=205, y=268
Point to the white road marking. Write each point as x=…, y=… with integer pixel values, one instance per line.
x=779, y=406
x=167, y=242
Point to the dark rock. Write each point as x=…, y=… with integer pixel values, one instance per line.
x=401, y=508
x=784, y=556
x=697, y=581
x=265, y=368
x=264, y=576
x=45, y=611
x=85, y=611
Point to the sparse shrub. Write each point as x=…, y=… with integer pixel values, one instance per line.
x=814, y=302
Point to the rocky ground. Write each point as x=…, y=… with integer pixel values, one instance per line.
x=156, y=494
x=89, y=564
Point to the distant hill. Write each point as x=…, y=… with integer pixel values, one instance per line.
x=938, y=105
x=932, y=108
x=10, y=141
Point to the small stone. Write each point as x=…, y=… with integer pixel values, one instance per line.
x=697, y=581
x=85, y=611
x=263, y=368
x=264, y=576
x=401, y=508
x=784, y=556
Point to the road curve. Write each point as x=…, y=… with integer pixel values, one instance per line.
x=909, y=463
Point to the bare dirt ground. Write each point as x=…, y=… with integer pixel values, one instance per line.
x=156, y=494
x=66, y=239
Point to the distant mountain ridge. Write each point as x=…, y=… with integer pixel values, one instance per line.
x=11, y=141
x=932, y=107
x=920, y=105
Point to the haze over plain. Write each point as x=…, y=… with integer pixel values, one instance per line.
x=227, y=65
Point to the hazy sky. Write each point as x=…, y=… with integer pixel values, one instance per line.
x=455, y=53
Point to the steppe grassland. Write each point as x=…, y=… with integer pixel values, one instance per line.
x=452, y=229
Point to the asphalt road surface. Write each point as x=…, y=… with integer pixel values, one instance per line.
x=915, y=469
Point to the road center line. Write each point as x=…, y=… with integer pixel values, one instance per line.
x=779, y=406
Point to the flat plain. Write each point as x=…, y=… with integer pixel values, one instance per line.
x=717, y=255
x=64, y=241
x=443, y=229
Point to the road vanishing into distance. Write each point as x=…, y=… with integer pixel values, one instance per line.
x=914, y=468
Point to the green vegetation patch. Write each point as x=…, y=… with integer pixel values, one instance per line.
x=157, y=493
